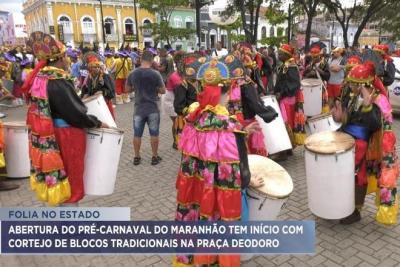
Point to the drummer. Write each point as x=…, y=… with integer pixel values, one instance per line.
x=98, y=81
x=290, y=97
x=203, y=177
x=318, y=68
x=56, y=117
x=362, y=110
x=245, y=103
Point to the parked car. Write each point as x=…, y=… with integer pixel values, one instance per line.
x=394, y=88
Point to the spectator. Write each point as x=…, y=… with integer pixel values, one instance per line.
x=147, y=84
x=336, y=69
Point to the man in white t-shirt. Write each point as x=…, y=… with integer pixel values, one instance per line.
x=219, y=51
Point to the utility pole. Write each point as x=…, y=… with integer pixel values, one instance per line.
x=102, y=23
x=289, y=32
x=198, y=27
x=136, y=21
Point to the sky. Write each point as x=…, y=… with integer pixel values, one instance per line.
x=11, y=5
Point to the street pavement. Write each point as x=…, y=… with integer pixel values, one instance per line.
x=150, y=193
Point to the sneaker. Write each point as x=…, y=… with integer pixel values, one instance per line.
x=118, y=100
x=155, y=160
x=126, y=98
x=353, y=218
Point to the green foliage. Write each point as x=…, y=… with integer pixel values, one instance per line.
x=389, y=20
x=162, y=31
x=274, y=41
x=275, y=16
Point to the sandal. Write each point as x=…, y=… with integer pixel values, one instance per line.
x=155, y=160
x=137, y=160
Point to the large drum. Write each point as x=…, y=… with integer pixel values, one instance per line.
x=330, y=164
x=312, y=91
x=97, y=106
x=265, y=203
x=276, y=137
x=323, y=122
x=16, y=150
x=103, y=149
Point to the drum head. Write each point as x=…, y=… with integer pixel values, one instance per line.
x=311, y=82
x=93, y=97
x=329, y=143
x=107, y=130
x=15, y=125
x=277, y=181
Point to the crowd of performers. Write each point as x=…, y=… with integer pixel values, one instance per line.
x=213, y=102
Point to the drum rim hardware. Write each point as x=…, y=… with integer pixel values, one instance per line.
x=16, y=125
x=264, y=195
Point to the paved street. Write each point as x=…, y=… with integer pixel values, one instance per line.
x=150, y=192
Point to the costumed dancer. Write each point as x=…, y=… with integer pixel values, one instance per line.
x=366, y=115
x=245, y=103
x=318, y=68
x=26, y=65
x=98, y=81
x=122, y=67
x=287, y=91
x=214, y=166
x=173, y=81
x=186, y=92
x=4, y=93
x=57, y=118
x=109, y=60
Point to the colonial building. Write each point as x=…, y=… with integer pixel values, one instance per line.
x=76, y=21
x=15, y=31
x=3, y=26
x=211, y=33
x=183, y=18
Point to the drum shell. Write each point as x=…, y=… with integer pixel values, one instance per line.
x=276, y=137
x=97, y=106
x=331, y=184
x=312, y=97
x=325, y=123
x=262, y=207
x=16, y=151
x=103, y=150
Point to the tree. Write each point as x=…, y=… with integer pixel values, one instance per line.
x=234, y=38
x=368, y=10
x=389, y=19
x=343, y=15
x=162, y=31
x=310, y=9
x=249, y=13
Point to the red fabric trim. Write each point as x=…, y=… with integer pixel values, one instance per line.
x=110, y=107
x=120, y=86
x=361, y=162
x=72, y=142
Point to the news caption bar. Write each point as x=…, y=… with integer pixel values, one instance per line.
x=155, y=237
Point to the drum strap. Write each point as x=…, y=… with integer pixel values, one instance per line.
x=60, y=123
x=358, y=132
x=256, y=198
